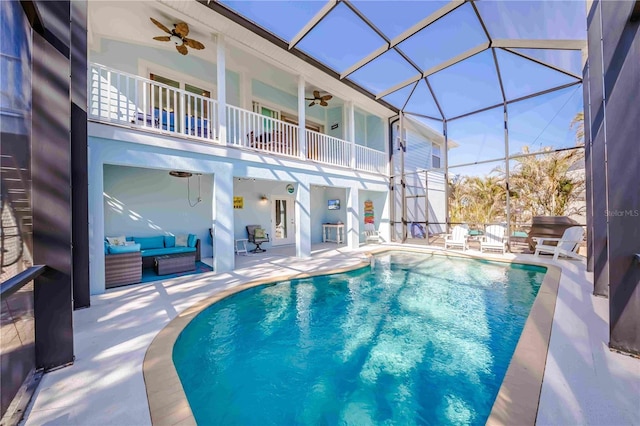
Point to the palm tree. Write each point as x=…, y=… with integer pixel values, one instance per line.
x=578, y=123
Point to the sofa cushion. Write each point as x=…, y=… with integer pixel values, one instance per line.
x=191, y=240
x=163, y=251
x=150, y=242
x=181, y=240
x=169, y=241
x=106, y=247
x=113, y=249
x=116, y=241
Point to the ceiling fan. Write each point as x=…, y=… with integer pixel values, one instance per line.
x=178, y=36
x=322, y=100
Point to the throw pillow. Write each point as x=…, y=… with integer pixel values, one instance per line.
x=169, y=241
x=259, y=233
x=181, y=241
x=191, y=240
x=116, y=241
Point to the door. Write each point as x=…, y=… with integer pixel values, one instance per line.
x=282, y=221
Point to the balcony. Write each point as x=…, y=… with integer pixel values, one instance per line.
x=121, y=98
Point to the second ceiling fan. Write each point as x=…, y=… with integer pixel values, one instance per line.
x=322, y=100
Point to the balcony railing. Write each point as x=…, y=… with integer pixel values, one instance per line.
x=247, y=129
x=328, y=150
x=121, y=98
x=371, y=160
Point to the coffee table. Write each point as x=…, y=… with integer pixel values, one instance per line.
x=172, y=263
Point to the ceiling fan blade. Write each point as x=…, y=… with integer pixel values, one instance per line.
x=159, y=25
x=323, y=103
x=312, y=104
x=181, y=29
x=162, y=38
x=326, y=97
x=310, y=99
x=316, y=94
x=194, y=44
x=182, y=49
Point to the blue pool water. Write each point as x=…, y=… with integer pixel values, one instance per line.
x=417, y=339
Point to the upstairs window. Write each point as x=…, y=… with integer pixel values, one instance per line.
x=435, y=156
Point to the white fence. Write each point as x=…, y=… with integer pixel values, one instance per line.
x=123, y=98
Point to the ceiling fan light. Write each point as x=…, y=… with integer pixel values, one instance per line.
x=176, y=40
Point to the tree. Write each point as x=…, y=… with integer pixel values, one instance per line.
x=578, y=124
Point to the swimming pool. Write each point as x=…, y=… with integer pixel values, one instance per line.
x=416, y=339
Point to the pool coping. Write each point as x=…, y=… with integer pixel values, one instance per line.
x=518, y=397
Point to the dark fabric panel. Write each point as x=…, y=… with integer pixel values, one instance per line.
x=80, y=183
x=52, y=205
x=55, y=19
x=622, y=78
x=587, y=167
x=599, y=187
x=595, y=68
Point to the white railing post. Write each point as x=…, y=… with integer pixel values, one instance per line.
x=351, y=128
x=302, y=134
x=221, y=87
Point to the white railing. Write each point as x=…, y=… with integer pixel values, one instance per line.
x=371, y=160
x=251, y=130
x=123, y=98
x=328, y=150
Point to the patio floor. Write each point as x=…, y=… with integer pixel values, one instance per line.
x=584, y=382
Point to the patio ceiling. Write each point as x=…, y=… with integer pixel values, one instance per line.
x=433, y=59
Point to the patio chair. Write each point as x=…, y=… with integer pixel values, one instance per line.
x=257, y=236
x=566, y=246
x=370, y=233
x=457, y=238
x=494, y=239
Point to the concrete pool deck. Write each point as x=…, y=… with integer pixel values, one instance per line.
x=584, y=382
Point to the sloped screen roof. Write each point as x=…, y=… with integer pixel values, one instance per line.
x=440, y=60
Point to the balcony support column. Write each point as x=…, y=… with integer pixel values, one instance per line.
x=351, y=132
x=303, y=219
x=302, y=119
x=353, y=218
x=221, y=78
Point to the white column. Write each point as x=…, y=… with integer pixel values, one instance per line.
x=302, y=132
x=303, y=220
x=222, y=226
x=353, y=218
x=246, y=90
x=222, y=89
x=351, y=132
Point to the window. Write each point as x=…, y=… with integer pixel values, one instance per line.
x=308, y=125
x=435, y=156
x=168, y=99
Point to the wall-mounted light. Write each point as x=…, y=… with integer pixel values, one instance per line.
x=263, y=199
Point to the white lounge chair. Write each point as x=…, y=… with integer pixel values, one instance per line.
x=457, y=238
x=494, y=239
x=567, y=245
x=371, y=235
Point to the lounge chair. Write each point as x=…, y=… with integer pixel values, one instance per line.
x=261, y=237
x=567, y=245
x=457, y=238
x=370, y=233
x=494, y=239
